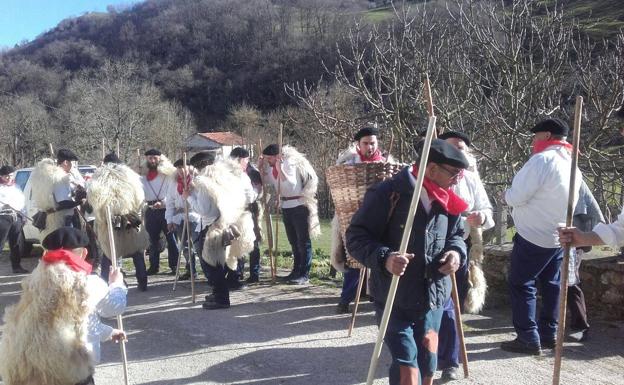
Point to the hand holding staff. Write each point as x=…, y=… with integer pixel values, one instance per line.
x=113, y=258
x=407, y=230
x=563, y=294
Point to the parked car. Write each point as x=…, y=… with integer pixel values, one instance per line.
x=23, y=181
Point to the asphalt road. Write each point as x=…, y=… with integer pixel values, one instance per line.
x=281, y=334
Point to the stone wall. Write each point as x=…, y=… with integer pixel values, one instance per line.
x=602, y=281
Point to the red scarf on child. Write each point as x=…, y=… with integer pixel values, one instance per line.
x=376, y=157
x=541, y=145
x=73, y=261
x=450, y=201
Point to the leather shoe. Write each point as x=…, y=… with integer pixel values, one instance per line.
x=252, y=279
x=215, y=305
x=288, y=278
x=152, y=270
x=301, y=281
x=342, y=308
x=20, y=270
x=579, y=335
x=185, y=277
x=142, y=285
x=450, y=374
x=548, y=344
x=517, y=346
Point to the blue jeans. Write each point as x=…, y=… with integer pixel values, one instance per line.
x=351, y=278
x=529, y=264
x=412, y=338
x=155, y=224
x=298, y=233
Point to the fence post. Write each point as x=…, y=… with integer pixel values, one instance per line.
x=500, y=220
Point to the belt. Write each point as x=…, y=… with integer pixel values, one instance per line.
x=151, y=203
x=291, y=198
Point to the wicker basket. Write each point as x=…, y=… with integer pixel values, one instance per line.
x=348, y=184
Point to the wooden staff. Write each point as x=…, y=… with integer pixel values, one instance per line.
x=180, y=247
x=267, y=217
x=113, y=258
x=402, y=249
x=358, y=292
x=138, y=160
x=51, y=150
x=118, y=152
x=459, y=325
x=103, y=149
x=189, y=239
x=279, y=189
x=563, y=294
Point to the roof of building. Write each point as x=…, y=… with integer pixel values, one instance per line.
x=226, y=138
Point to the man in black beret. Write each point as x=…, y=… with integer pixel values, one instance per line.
x=12, y=209
x=539, y=196
x=202, y=159
x=241, y=155
x=112, y=158
x=436, y=249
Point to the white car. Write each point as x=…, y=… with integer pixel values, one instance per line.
x=23, y=181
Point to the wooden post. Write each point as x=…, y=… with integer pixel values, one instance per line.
x=563, y=294
x=113, y=258
x=402, y=250
x=279, y=189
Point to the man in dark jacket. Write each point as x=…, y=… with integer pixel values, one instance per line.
x=436, y=248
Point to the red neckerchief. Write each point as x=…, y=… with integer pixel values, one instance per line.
x=181, y=183
x=541, y=145
x=376, y=157
x=152, y=174
x=274, y=171
x=450, y=201
x=73, y=261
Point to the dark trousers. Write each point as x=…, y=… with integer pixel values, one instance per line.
x=139, y=267
x=11, y=229
x=298, y=233
x=577, y=309
x=155, y=224
x=88, y=381
x=254, y=261
x=531, y=264
x=220, y=288
x=351, y=278
x=199, y=249
x=448, y=348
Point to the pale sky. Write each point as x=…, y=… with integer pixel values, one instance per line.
x=26, y=19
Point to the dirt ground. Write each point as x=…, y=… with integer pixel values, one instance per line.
x=281, y=334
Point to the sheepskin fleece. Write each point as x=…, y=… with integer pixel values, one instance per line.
x=44, y=176
x=307, y=173
x=117, y=186
x=165, y=167
x=222, y=184
x=43, y=341
x=475, y=298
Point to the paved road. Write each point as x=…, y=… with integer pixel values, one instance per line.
x=290, y=335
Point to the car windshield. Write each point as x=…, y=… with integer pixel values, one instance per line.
x=21, y=177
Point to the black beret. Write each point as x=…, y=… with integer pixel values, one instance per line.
x=6, y=170
x=271, y=149
x=65, y=154
x=553, y=125
x=112, y=157
x=456, y=134
x=445, y=153
x=65, y=238
x=239, y=153
x=365, y=131
x=180, y=162
x=152, y=151
x=204, y=156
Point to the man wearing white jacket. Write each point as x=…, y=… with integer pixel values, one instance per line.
x=538, y=196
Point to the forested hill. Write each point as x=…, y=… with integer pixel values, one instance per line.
x=206, y=54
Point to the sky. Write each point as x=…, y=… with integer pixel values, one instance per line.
x=26, y=19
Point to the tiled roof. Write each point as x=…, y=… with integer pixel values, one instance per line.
x=226, y=138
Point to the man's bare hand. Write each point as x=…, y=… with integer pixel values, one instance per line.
x=158, y=205
x=571, y=236
x=118, y=335
x=397, y=263
x=115, y=276
x=450, y=262
x=475, y=219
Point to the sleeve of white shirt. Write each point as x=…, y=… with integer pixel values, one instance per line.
x=290, y=173
x=170, y=203
x=62, y=191
x=482, y=203
x=114, y=303
x=612, y=233
x=250, y=193
x=526, y=182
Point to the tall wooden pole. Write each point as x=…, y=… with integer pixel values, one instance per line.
x=563, y=294
x=51, y=150
x=113, y=258
x=279, y=189
x=407, y=230
x=189, y=239
x=267, y=217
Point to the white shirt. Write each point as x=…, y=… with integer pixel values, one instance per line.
x=156, y=189
x=291, y=186
x=106, y=301
x=539, y=196
x=202, y=204
x=471, y=190
x=174, y=207
x=612, y=233
x=251, y=194
x=12, y=195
